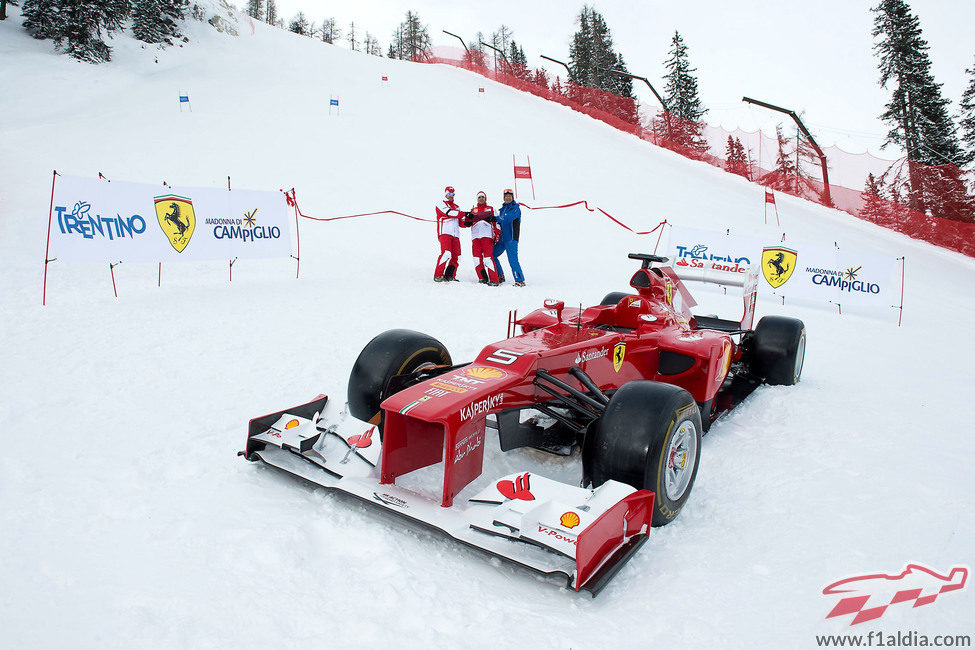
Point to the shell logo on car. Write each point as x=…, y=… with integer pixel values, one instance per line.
x=569, y=520
x=482, y=372
x=724, y=364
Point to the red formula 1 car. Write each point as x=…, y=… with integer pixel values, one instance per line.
x=630, y=385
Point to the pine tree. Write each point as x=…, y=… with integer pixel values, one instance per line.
x=966, y=119
x=353, y=43
x=917, y=112
x=557, y=87
x=501, y=39
x=540, y=78
x=682, y=98
x=371, y=45
x=83, y=22
x=518, y=60
x=271, y=12
x=3, y=7
x=255, y=8
x=330, y=31
x=157, y=21
x=735, y=158
x=783, y=177
x=475, y=51
x=592, y=61
x=299, y=24
x=875, y=208
x=580, y=51
x=42, y=18
x=411, y=41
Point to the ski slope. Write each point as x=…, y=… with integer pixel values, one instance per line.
x=126, y=517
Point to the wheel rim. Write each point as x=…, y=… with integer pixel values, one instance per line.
x=681, y=457
x=800, y=355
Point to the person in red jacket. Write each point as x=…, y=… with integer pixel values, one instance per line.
x=448, y=233
x=484, y=232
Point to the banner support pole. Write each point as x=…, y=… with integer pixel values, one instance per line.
x=47, y=247
x=662, y=226
x=901, y=307
x=297, y=236
x=111, y=268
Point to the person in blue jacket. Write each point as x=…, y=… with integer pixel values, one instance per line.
x=509, y=218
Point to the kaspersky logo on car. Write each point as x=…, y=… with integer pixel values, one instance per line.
x=176, y=218
x=868, y=597
x=778, y=263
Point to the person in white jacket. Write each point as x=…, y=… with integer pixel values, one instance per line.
x=448, y=234
x=484, y=232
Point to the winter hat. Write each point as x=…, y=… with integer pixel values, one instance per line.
x=449, y=189
x=480, y=194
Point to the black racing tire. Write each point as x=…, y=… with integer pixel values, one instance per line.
x=395, y=352
x=614, y=297
x=649, y=438
x=778, y=350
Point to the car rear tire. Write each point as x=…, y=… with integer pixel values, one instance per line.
x=779, y=348
x=614, y=297
x=650, y=438
x=395, y=352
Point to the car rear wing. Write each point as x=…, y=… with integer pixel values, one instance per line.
x=722, y=274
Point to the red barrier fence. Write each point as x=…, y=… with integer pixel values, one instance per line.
x=786, y=165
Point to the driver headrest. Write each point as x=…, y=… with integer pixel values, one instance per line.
x=645, y=279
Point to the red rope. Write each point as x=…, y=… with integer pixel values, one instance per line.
x=292, y=201
x=586, y=206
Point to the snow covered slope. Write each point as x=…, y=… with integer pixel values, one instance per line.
x=126, y=518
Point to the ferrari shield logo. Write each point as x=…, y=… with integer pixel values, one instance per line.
x=777, y=265
x=176, y=218
x=618, y=353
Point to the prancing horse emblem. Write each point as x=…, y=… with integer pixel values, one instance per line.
x=176, y=218
x=777, y=265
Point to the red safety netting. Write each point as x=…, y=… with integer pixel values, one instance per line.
x=945, y=207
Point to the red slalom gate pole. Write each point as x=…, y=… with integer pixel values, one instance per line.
x=531, y=177
x=47, y=247
x=514, y=172
x=159, y=281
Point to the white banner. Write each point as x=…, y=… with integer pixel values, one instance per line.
x=98, y=221
x=828, y=277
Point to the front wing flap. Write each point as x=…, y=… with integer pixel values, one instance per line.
x=544, y=525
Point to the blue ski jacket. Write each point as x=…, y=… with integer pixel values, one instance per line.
x=509, y=217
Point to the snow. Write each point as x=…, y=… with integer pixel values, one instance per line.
x=127, y=519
